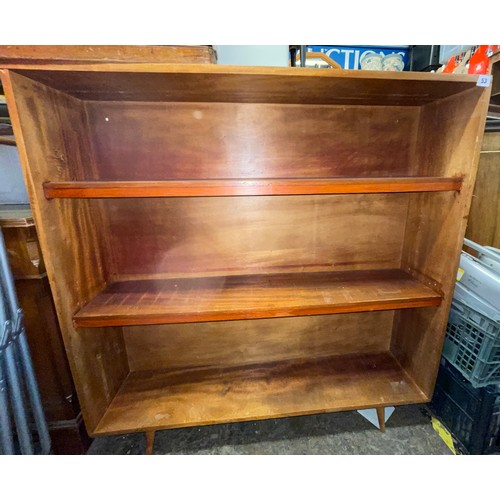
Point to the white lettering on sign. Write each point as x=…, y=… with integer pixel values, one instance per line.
x=356, y=60
x=347, y=53
x=345, y=59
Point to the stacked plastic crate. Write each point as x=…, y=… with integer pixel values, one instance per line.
x=467, y=395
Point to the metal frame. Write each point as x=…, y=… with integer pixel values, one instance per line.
x=19, y=394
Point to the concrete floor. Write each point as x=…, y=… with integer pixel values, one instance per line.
x=409, y=432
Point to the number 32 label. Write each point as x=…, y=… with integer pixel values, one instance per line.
x=484, y=81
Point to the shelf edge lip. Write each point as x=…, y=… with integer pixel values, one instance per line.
x=101, y=430
x=159, y=319
x=229, y=70
x=247, y=187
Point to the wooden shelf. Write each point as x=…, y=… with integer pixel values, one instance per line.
x=247, y=187
x=221, y=298
x=188, y=397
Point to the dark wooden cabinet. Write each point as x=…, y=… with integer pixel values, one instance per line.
x=105, y=54
x=59, y=399
x=231, y=243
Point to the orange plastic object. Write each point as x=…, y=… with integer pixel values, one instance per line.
x=451, y=65
x=479, y=62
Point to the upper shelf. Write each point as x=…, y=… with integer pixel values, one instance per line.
x=247, y=187
x=220, y=83
x=224, y=298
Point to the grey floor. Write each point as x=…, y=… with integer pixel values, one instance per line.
x=409, y=432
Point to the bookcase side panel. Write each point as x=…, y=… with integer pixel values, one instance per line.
x=50, y=129
x=449, y=141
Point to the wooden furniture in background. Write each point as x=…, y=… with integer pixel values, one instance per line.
x=6, y=133
x=325, y=60
x=495, y=72
x=56, y=386
x=68, y=54
x=71, y=54
x=21, y=241
x=7, y=140
x=231, y=243
x=483, y=226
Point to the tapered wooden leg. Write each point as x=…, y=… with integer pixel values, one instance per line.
x=381, y=418
x=150, y=439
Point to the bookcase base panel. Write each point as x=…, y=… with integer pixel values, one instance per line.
x=157, y=399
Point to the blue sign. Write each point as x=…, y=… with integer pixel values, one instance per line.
x=349, y=57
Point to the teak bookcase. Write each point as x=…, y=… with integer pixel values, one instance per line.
x=229, y=243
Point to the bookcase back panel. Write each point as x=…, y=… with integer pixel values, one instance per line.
x=158, y=141
x=220, y=236
x=229, y=343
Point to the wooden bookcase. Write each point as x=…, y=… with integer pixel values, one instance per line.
x=229, y=243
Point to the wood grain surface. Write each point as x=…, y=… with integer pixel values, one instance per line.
x=436, y=226
x=232, y=343
x=299, y=259
x=180, y=398
x=70, y=234
x=221, y=298
x=483, y=225
x=139, y=141
x=188, y=237
x=246, y=187
x=27, y=55
x=221, y=83
x=47, y=350
x=23, y=249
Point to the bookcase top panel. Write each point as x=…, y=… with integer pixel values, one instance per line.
x=219, y=83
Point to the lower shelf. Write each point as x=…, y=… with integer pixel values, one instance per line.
x=182, y=398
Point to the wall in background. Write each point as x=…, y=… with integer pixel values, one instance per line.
x=277, y=55
x=447, y=51
x=252, y=55
x=12, y=188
